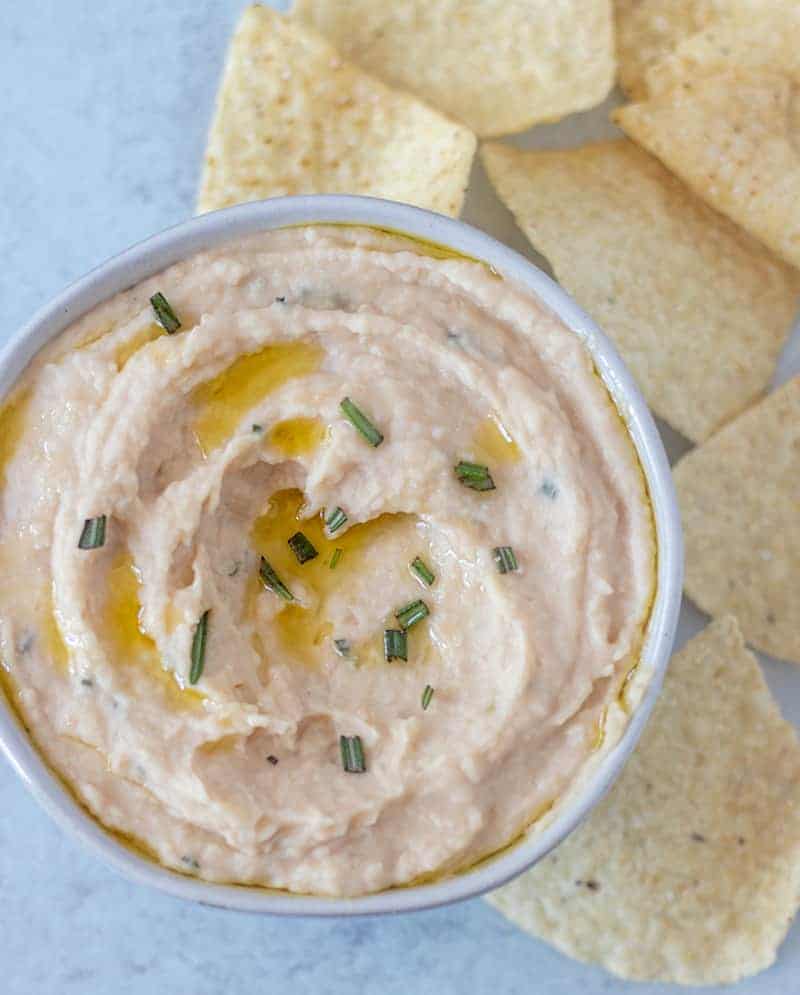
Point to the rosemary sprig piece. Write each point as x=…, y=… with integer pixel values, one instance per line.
x=476, y=476
x=352, y=754
x=272, y=581
x=302, y=547
x=395, y=645
x=423, y=571
x=165, y=316
x=93, y=535
x=360, y=422
x=412, y=613
x=335, y=520
x=505, y=559
x=199, y=648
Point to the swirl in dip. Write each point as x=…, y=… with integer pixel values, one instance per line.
x=199, y=708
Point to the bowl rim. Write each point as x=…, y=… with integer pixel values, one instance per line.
x=154, y=254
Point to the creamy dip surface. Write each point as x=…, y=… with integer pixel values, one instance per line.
x=208, y=449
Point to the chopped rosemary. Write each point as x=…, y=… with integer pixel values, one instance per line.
x=302, y=548
x=199, y=648
x=352, y=754
x=474, y=475
x=93, y=535
x=342, y=647
x=427, y=694
x=360, y=422
x=335, y=557
x=395, y=645
x=549, y=489
x=423, y=571
x=335, y=520
x=165, y=316
x=505, y=559
x=272, y=581
x=412, y=613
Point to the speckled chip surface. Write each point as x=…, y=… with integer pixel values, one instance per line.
x=294, y=117
x=740, y=502
x=689, y=870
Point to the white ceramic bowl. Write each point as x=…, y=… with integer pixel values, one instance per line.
x=155, y=254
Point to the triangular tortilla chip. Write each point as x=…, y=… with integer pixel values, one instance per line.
x=292, y=117
x=498, y=66
x=752, y=34
x=689, y=871
x=740, y=501
x=735, y=140
x=698, y=309
x=648, y=29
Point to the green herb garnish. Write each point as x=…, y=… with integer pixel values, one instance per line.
x=342, y=647
x=505, y=559
x=199, y=648
x=352, y=754
x=549, y=489
x=272, y=581
x=360, y=422
x=302, y=548
x=93, y=535
x=474, y=475
x=258, y=429
x=165, y=316
x=412, y=613
x=337, y=555
x=423, y=571
x=335, y=520
x=395, y=645
x=427, y=694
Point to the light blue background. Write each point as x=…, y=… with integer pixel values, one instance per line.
x=104, y=106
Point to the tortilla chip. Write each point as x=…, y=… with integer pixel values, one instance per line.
x=292, y=118
x=740, y=501
x=689, y=870
x=649, y=29
x=499, y=67
x=734, y=139
x=752, y=34
x=698, y=309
